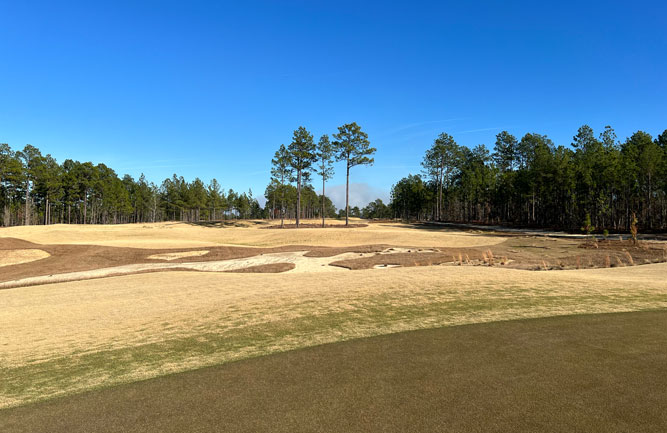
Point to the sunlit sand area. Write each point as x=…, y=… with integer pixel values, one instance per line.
x=134, y=302
x=18, y=256
x=241, y=233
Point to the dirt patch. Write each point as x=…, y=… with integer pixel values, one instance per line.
x=317, y=226
x=68, y=259
x=329, y=252
x=284, y=261
x=15, y=257
x=393, y=260
x=178, y=255
x=527, y=253
x=71, y=262
x=272, y=268
x=554, y=254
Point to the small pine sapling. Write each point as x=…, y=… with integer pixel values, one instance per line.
x=633, y=228
x=588, y=227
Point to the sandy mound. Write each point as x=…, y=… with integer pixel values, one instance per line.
x=177, y=255
x=184, y=235
x=15, y=257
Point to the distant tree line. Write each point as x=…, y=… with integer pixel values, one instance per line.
x=532, y=182
x=598, y=181
x=35, y=189
x=311, y=202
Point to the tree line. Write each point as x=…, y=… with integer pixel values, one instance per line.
x=596, y=181
x=35, y=189
x=532, y=182
x=303, y=158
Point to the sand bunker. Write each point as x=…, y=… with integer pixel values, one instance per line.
x=300, y=261
x=177, y=255
x=16, y=257
x=301, y=264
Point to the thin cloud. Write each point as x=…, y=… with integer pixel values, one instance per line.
x=255, y=173
x=396, y=167
x=143, y=166
x=480, y=130
x=418, y=124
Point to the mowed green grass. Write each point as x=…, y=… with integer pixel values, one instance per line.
x=592, y=373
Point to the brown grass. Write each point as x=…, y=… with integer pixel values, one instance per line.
x=489, y=254
x=628, y=256
x=122, y=329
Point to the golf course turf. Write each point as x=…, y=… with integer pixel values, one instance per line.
x=592, y=373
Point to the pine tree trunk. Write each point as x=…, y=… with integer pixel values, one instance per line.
x=323, y=182
x=347, y=196
x=27, y=202
x=85, y=206
x=298, y=197
x=282, y=206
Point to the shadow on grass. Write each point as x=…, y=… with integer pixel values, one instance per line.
x=227, y=223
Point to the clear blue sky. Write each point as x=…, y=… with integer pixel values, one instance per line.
x=211, y=89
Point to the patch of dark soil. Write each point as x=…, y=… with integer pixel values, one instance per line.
x=526, y=252
x=317, y=226
x=76, y=258
x=529, y=253
x=17, y=244
x=227, y=223
x=270, y=268
x=397, y=259
x=334, y=251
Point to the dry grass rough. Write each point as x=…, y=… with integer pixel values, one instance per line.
x=68, y=337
